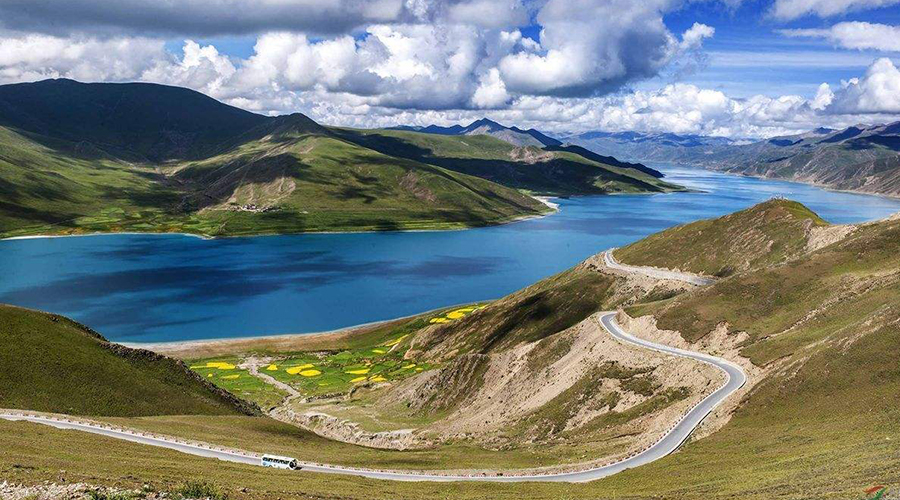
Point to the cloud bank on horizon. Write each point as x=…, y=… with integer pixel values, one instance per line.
x=557, y=65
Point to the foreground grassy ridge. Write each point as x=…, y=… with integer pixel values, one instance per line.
x=725, y=465
x=53, y=364
x=764, y=234
x=529, y=168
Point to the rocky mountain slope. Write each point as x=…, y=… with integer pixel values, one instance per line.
x=484, y=126
x=860, y=158
x=535, y=367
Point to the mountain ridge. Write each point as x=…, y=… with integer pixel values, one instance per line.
x=84, y=157
x=859, y=158
x=486, y=126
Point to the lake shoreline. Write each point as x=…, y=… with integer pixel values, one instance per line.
x=545, y=200
x=151, y=291
x=295, y=340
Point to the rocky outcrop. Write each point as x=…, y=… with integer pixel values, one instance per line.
x=346, y=431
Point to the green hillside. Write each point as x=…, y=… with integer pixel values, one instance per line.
x=763, y=234
x=53, y=364
x=289, y=181
x=55, y=186
x=529, y=168
x=304, y=178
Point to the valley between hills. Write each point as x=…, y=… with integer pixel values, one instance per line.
x=526, y=383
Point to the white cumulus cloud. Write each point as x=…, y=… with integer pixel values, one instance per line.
x=878, y=91
x=787, y=10
x=855, y=35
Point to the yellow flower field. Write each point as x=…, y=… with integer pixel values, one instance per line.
x=455, y=314
x=297, y=369
x=230, y=377
x=272, y=368
x=396, y=341
x=358, y=379
x=358, y=372
x=221, y=365
x=310, y=373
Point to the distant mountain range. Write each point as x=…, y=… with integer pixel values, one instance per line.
x=637, y=146
x=78, y=157
x=860, y=158
x=484, y=126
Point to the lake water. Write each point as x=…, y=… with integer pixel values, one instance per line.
x=151, y=288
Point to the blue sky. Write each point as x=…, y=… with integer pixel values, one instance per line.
x=749, y=56
x=749, y=68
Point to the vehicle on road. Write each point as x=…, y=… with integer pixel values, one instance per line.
x=280, y=462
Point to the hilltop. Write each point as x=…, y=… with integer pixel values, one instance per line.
x=766, y=234
x=78, y=157
x=484, y=126
x=134, y=120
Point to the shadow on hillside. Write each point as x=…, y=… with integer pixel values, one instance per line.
x=557, y=176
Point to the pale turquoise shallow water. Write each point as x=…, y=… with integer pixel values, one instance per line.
x=151, y=288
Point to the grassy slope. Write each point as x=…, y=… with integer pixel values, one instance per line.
x=56, y=185
x=786, y=308
x=53, y=364
x=761, y=235
x=531, y=314
x=491, y=158
x=320, y=182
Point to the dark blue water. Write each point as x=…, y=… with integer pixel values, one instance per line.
x=148, y=288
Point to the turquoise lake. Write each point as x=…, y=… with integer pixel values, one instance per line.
x=152, y=288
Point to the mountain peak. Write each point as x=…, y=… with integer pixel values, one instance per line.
x=156, y=122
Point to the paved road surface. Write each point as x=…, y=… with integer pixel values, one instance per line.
x=654, y=272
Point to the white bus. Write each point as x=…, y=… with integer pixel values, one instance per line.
x=280, y=462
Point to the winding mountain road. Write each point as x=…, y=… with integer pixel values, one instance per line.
x=669, y=442
x=655, y=272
